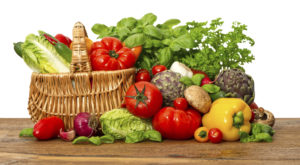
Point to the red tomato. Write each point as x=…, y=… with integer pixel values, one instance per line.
x=63, y=39
x=253, y=105
x=215, y=135
x=206, y=80
x=176, y=123
x=158, y=68
x=180, y=103
x=143, y=99
x=109, y=54
x=142, y=75
x=48, y=128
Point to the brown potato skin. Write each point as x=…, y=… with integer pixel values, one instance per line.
x=198, y=98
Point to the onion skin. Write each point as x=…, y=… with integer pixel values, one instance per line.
x=85, y=124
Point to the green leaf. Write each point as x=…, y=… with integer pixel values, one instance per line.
x=80, y=139
x=147, y=19
x=100, y=29
x=135, y=137
x=211, y=88
x=197, y=78
x=165, y=56
x=129, y=23
x=217, y=95
x=152, y=31
x=107, y=139
x=95, y=140
x=26, y=132
x=184, y=41
x=135, y=40
x=123, y=32
x=171, y=22
x=18, y=48
x=180, y=30
x=153, y=135
x=186, y=81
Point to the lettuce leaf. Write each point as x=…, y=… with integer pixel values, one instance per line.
x=120, y=122
x=42, y=57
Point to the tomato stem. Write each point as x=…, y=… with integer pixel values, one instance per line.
x=140, y=96
x=203, y=134
x=113, y=54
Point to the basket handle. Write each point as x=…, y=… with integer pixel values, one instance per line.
x=80, y=59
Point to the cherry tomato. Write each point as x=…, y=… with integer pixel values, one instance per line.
x=201, y=134
x=142, y=75
x=215, y=135
x=158, y=68
x=180, y=103
x=253, y=105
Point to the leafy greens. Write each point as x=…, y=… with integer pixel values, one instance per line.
x=199, y=45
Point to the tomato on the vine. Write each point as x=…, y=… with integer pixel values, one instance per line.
x=142, y=75
x=158, y=68
x=215, y=135
x=143, y=99
x=109, y=54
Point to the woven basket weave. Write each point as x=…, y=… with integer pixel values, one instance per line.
x=82, y=90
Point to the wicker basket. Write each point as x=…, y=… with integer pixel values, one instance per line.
x=66, y=94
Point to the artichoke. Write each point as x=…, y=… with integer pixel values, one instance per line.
x=168, y=82
x=236, y=83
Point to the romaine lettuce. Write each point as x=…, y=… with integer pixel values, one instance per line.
x=42, y=57
x=120, y=122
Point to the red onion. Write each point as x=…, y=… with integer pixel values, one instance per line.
x=86, y=124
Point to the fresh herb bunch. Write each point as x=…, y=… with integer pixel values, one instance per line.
x=196, y=44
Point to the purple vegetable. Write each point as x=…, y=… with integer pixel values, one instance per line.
x=86, y=124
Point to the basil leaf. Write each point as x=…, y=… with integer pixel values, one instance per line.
x=135, y=40
x=180, y=30
x=184, y=41
x=80, y=139
x=164, y=56
x=129, y=23
x=170, y=23
x=100, y=29
x=211, y=88
x=107, y=139
x=152, y=31
x=153, y=135
x=95, y=140
x=26, y=132
x=123, y=32
x=135, y=137
x=197, y=78
x=147, y=19
x=186, y=81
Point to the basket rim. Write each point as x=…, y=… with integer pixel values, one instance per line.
x=78, y=73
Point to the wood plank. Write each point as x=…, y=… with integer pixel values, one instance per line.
x=284, y=149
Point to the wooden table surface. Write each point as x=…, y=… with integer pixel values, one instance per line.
x=285, y=149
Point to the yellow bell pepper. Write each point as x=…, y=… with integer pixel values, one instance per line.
x=230, y=115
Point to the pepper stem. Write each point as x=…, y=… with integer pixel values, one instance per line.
x=202, y=134
x=238, y=119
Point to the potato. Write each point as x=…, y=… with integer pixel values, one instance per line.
x=198, y=98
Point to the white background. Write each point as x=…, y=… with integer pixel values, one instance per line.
x=274, y=25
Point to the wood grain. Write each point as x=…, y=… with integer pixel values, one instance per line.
x=285, y=149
